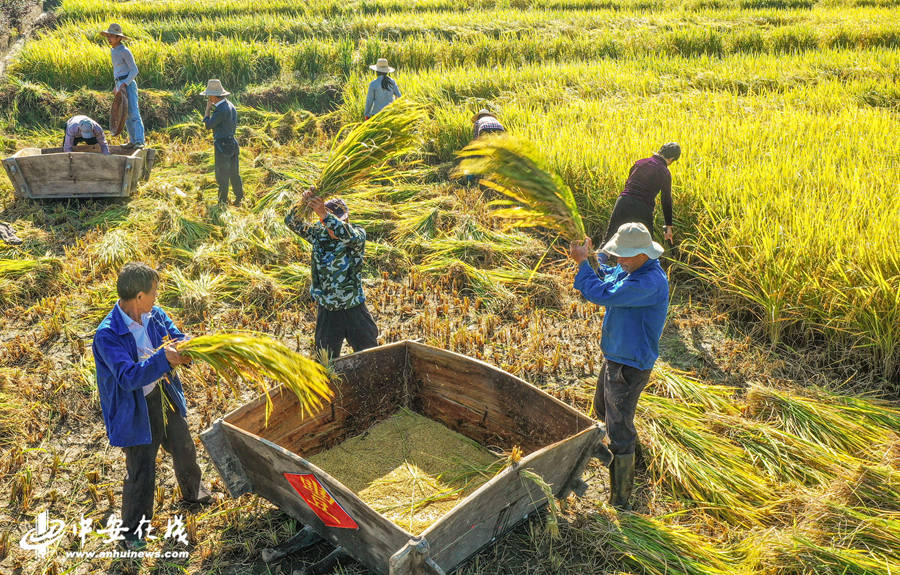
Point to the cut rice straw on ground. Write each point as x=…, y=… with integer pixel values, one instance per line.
x=255, y=358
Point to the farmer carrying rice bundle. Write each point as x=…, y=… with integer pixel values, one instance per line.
x=81, y=129
x=125, y=71
x=636, y=296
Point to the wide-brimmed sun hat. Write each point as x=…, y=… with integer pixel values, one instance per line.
x=87, y=128
x=483, y=112
x=338, y=207
x=114, y=30
x=214, y=88
x=381, y=66
x=632, y=239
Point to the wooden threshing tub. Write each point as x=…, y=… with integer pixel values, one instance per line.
x=49, y=173
x=470, y=397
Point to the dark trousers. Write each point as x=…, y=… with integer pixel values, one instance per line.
x=615, y=402
x=228, y=172
x=629, y=209
x=140, y=461
x=355, y=325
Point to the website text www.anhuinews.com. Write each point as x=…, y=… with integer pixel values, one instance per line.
x=117, y=554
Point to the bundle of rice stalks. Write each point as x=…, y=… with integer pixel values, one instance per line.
x=856, y=528
x=872, y=486
x=27, y=278
x=513, y=167
x=366, y=151
x=801, y=555
x=257, y=288
x=836, y=426
x=178, y=231
x=678, y=384
x=696, y=463
x=255, y=358
x=783, y=455
x=117, y=248
x=296, y=279
x=423, y=220
x=877, y=412
x=195, y=296
x=651, y=546
x=385, y=257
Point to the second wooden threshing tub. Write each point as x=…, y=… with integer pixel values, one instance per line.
x=468, y=396
x=50, y=173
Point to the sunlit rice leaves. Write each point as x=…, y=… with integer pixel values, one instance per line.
x=693, y=462
x=513, y=167
x=255, y=358
x=849, y=429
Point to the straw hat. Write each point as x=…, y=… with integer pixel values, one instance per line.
x=632, y=239
x=483, y=112
x=115, y=30
x=381, y=66
x=214, y=88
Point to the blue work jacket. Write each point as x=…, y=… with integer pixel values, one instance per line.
x=636, y=306
x=121, y=377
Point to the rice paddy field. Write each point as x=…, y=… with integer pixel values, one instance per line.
x=770, y=428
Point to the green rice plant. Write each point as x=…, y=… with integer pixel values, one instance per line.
x=830, y=425
x=654, y=546
x=696, y=463
x=365, y=151
x=870, y=486
x=255, y=358
x=680, y=385
x=179, y=231
x=552, y=505
x=19, y=268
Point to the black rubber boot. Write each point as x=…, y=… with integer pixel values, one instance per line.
x=621, y=481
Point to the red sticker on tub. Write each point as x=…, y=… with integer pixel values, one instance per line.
x=320, y=501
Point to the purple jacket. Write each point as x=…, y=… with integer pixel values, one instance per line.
x=646, y=179
x=120, y=376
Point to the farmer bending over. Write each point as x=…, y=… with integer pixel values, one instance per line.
x=636, y=296
x=83, y=130
x=338, y=248
x=136, y=383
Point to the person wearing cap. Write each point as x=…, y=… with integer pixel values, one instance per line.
x=83, y=130
x=125, y=71
x=647, y=178
x=382, y=90
x=338, y=248
x=636, y=296
x=221, y=117
x=485, y=122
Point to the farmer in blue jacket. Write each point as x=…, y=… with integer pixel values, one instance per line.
x=134, y=359
x=636, y=296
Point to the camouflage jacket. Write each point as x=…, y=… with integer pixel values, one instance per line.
x=336, y=264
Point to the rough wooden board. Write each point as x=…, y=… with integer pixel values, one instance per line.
x=265, y=463
x=368, y=389
x=77, y=174
x=487, y=404
x=225, y=460
x=504, y=501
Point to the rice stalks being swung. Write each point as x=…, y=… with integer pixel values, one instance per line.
x=254, y=358
x=537, y=196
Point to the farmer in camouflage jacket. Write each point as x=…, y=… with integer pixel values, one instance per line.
x=337, y=259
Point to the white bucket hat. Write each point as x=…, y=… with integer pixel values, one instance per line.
x=632, y=239
x=381, y=66
x=87, y=128
x=114, y=30
x=214, y=88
